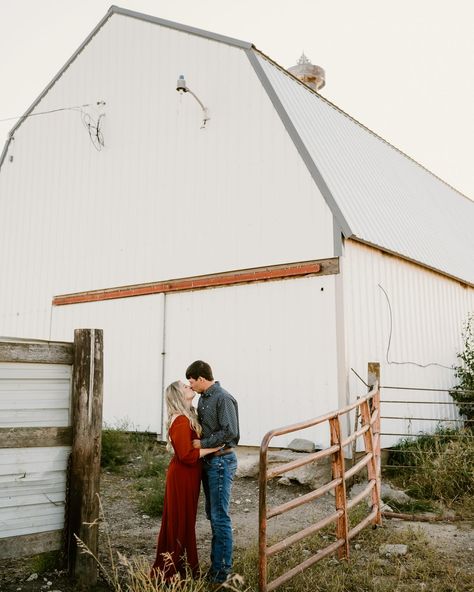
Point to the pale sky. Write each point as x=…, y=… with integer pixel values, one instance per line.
x=403, y=68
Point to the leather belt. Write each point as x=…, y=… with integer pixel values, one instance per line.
x=222, y=452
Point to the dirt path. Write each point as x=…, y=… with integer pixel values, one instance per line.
x=132, y=531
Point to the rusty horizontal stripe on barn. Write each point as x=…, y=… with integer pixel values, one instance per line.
x=323, y=267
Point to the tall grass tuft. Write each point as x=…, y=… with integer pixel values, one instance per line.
x=133, y=575
x=438, y=467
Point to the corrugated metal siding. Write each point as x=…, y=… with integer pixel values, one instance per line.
x=272, y=345
x=32, y=490
x=164, y=198
x=34, y=395
x=33, y=480
x=133, y=337
x=386, y=198
x=428, y=311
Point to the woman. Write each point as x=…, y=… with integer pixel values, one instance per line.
x=177, y=539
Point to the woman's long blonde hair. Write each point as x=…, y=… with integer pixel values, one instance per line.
x=175, y=405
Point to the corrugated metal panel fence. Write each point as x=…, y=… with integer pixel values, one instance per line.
x=37, y=410
x=35, y=444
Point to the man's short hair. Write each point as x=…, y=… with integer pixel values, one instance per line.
x=199, y=368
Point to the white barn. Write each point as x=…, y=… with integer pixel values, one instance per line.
x=119, y=211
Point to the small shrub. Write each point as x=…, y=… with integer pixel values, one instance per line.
x=45, y=562
x=463, y=392
x=120, y=445
x=116, y=448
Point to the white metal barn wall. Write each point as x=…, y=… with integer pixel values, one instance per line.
x=428, y=311
x=163, y=198
x=272, y=344
x=133, y=342
x=33, y=480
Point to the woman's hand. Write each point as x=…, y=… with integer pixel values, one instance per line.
x=206, y=451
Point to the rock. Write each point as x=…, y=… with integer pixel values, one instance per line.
x=389, y=493
x=385, y=508
x=301, y=445
x=313, y=474
x=33, y=576
x=248, y=467
x=284, y=481
x=357, y=546
x=393, y=550
x=145, y=516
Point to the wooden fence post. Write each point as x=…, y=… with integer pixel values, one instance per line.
x=373, y=377
x=83, y=504
x=338, y=471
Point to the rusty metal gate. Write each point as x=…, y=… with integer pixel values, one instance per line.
x=369, y=409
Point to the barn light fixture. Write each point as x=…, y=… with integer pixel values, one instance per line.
x=182, y=88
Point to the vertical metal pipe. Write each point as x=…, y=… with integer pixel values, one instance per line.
x=163, y=364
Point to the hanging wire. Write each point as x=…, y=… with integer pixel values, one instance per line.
x=93, y=128
x=74, y=108
x=390, y=340
x=92, y=125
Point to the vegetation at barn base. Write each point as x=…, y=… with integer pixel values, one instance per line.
x=45, y=562
x=435, y=467
x=463, y=392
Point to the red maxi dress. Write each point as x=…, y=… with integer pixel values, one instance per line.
x=178, y=524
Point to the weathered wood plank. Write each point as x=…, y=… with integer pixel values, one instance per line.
x=30, y=544
x=35, y=437
x=85, y=455
x=37, y=353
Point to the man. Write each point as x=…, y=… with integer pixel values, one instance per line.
x=219, y=417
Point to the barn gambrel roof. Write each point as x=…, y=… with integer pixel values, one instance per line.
x=377, y=194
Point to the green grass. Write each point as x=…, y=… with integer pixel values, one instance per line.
x=140, y=456
x=152, y=496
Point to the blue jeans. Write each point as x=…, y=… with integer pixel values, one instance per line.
x=217, y=477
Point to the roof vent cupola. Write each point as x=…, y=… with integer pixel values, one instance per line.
x=313, y=76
